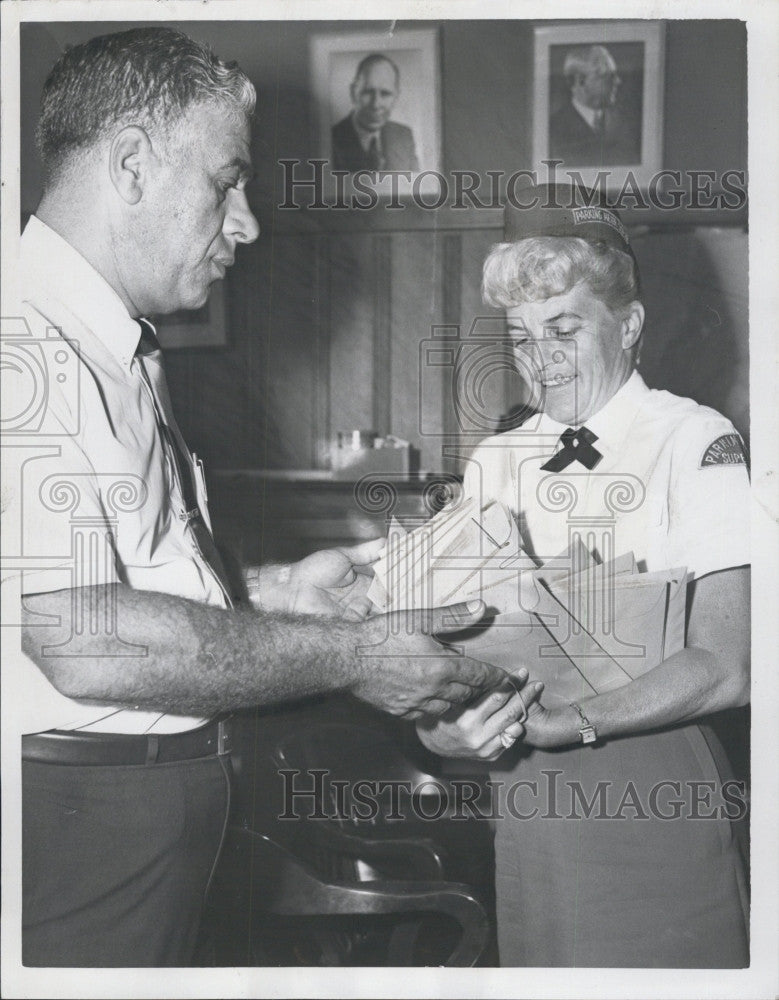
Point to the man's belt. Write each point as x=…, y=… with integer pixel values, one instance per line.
x=59, y=746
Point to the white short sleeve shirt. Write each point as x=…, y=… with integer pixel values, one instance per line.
x=89, y=496
x=672, y=485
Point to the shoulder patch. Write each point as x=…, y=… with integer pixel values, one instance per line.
x=728, y=449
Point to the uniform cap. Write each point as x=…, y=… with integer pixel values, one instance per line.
x=564, y=210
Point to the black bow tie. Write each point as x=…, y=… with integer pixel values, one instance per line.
x=577, y=447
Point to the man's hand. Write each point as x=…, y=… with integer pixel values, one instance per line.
x=326, y=583
x=404, y=671
x=475, y=731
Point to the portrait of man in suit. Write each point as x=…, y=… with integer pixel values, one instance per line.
x=367, y=138
x=592, y=127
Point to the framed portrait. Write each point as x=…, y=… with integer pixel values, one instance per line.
x=377, y=99
x=196, y=328
x=598, y=99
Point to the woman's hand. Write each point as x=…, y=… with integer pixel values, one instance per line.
x=476, y=730
x=551, y=727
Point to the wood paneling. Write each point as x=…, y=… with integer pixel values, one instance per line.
x=352, y=331
x=337, y=331
x=382, y=335
x=318, y=442
x=417, y=389
x=696, y=340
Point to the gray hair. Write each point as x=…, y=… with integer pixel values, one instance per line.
x=582, y=60
x=146, y=76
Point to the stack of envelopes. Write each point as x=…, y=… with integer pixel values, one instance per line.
x=467, y=551
x=580, y=626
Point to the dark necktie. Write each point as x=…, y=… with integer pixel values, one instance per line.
x=178, y=454
x=577, y=447
x=599, y=122
x=374, y=156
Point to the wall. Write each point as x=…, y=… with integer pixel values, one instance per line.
x=328, y=312
x=486, y=87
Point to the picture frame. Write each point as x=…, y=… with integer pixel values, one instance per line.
x=195, y=329
x=598, y=100
x=410, y=135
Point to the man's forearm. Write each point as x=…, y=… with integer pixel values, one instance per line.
x=176, y=655
x=195, y=659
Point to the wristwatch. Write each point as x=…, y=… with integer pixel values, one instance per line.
x=588, y=732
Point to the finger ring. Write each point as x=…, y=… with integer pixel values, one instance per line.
x=507, y=740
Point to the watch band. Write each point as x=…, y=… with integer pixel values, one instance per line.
x=588, y=732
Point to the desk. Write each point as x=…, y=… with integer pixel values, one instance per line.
x=266, y=516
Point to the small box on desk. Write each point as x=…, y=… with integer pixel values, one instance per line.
x=388, y=456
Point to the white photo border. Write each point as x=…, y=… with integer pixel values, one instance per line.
x=761, y=979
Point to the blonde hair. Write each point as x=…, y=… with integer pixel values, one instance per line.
x=538, y=267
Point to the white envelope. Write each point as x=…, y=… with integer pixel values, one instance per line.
x=463, y=552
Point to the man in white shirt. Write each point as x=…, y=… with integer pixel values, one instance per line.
x=144, y=137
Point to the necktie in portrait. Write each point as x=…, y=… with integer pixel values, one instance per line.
x=374, y=156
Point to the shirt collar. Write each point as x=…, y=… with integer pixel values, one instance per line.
x=588, y=114
x=613, y=421
x=53, y=270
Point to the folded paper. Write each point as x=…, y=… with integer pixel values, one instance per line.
x=580, y=626
x=466, y=551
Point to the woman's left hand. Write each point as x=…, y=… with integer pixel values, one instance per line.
x=485, y=728
x=551, y=727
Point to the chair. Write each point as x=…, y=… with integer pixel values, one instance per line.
x=386, y=846
x=374, y=846
x=337, y=891
x=434, y=838
x=268, y=907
